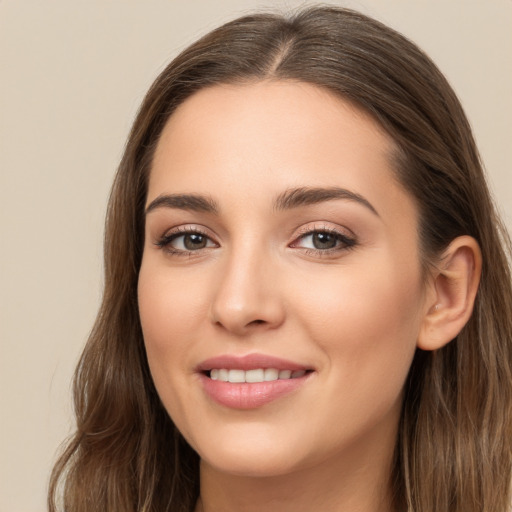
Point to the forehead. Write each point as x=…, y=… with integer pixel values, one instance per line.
x=239, y=118
x=254, y=140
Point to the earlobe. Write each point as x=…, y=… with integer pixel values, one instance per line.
x=454, y=286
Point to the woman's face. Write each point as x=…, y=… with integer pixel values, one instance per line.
x=280, y=250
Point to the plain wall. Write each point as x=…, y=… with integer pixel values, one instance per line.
x=72, y=74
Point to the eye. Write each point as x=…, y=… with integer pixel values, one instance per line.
x=324, y=240
x=184, y=241
x=320, y=240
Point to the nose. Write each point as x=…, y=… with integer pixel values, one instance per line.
x=247, y=296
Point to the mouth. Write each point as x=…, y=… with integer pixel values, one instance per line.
x=251, y=381
x=236, y=375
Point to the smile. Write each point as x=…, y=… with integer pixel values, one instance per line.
x=251, y=381
x=253, y=376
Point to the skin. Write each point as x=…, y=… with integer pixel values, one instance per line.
x=353, y=314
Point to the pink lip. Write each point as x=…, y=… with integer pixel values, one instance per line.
x=249, y=362
x=249, y=395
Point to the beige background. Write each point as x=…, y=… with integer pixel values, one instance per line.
x=72, y=74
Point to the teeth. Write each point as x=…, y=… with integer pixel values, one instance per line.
x=236, y=376
x=271, y=374
x=256, y=375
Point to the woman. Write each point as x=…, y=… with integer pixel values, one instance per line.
x=307, y=297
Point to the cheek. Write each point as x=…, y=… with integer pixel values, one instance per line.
x=169, y=310
x=367, y=330
x=168, y=306
x=366, y=321
x=363, y=298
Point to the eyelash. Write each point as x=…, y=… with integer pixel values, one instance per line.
x=344, y=242
x=165, y=241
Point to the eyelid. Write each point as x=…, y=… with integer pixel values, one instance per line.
x=187, y=228
x=325, y=227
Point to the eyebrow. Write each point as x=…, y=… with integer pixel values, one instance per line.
x=193, y=202
x=287, y=200
x=304, y=196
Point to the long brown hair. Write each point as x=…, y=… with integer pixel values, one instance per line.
x=453, y=452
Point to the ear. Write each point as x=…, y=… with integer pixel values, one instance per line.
x=451, y=294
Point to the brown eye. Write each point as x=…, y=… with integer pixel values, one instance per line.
x=194, y=241
x=184, y=242
x=323, y=240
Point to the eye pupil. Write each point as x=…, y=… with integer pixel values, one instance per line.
x=324, y=240
x=194, y=241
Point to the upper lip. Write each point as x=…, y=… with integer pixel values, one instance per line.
x=249, y=362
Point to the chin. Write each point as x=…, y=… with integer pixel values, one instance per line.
x=251, y=465
x=251, y=455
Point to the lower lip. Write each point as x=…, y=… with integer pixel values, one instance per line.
x=250, y=395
